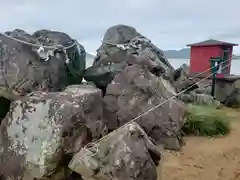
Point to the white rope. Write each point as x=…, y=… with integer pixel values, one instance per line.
x=93, y=144
x=126, y=45
x=120, y=46
x=41, y=48
x=38, y=45
x=123, y=47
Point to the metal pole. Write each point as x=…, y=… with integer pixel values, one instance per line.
x=213, y=85
x=215, y=69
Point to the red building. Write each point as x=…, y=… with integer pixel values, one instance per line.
x=201, y=53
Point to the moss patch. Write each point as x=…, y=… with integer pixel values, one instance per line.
x=206, y=121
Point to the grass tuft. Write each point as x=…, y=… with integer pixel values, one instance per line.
x=206, y=121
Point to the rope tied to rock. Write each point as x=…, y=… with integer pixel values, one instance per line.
x=95, y=144
x=71, y=55
x=141, y=42
x=134, y=43
x=126, y=46
x=50, y=49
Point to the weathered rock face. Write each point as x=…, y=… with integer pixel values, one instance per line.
x=199, y=99
x=135, y=91
x=207, y=89
x=24, y=68
x=228, y=91
x=126, y=154
x=183, y=81
x=43, y=130
x=123, y=46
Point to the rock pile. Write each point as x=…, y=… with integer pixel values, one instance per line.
x=46, y=131
x=123, y=46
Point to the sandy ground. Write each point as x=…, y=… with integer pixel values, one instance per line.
x=207, y=158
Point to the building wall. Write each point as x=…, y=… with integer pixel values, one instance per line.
x=199, y=58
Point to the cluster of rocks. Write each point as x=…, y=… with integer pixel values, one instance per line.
x=50, y=120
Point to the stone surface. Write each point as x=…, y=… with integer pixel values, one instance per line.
x=125, y=154
x=204, y=90
x=199, y=99
x=228, y=91
x=135, y=91
x=182, y=80
x=123, y=46
x=24, y=70
x=43, y=130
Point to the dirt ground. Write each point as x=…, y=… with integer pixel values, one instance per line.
x=207, y=158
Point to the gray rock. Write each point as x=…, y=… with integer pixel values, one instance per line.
x=24, y=69
x=204, y=90
x=228, y=91
x=123, y=46
x=43, y=130
x=126, y=154
x=135, y=91
x=199, y=99
x=182, y=80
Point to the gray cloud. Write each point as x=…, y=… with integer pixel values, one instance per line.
x=169, y=24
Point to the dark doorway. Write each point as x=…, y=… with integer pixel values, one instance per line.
x=4, y=107
x=225, y=57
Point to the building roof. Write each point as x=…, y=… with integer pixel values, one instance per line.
x=212, y=42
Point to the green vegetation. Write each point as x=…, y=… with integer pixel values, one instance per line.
x=206, y=121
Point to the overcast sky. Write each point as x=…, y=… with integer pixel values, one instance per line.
x=170, y=24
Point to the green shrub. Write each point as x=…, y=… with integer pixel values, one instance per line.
x=206, y=121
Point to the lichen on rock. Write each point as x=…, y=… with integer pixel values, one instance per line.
x=43, y=128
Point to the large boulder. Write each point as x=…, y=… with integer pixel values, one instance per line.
x=125, y=154
x=123, y=46
x=46, y=60
x=228, y=90
x=135, y=91
x=43, y=130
